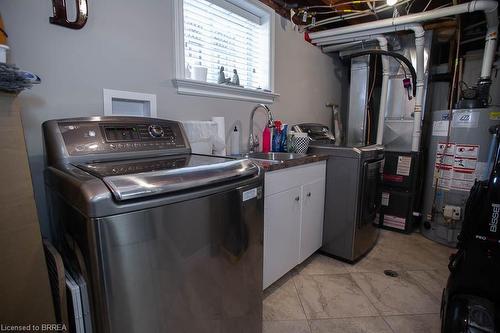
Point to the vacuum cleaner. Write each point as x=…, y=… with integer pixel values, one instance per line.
x=471, y=299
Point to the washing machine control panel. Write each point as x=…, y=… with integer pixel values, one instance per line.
x=94, y=137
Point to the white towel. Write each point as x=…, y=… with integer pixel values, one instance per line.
x=203, y=137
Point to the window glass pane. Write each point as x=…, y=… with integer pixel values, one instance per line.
x=215, y=37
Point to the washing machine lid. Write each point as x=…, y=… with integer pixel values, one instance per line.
x=138, y=178
x=317, y=132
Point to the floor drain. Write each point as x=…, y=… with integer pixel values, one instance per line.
x=391, y=273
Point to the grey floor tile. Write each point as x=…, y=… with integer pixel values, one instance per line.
x=321, y=264
x=288, y=326
x=434, y=281
x=350, y=325
x=399, y=295
x=281, y=301
x=415, y=323
x=403, y=252
x=332, y=296
x=377, y=260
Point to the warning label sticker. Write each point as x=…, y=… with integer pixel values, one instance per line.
x=404, y=164
x=449, y=148
x=385, y=198
x=465, y=119
x=440, y=127
x=464, y=163
x=470, y=151
x=455, y=166
x=395, y=222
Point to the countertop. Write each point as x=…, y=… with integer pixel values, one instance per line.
x=269, y=166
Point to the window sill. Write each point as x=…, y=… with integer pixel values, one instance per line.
x=200, y=88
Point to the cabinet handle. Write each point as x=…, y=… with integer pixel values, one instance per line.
x=297, y=198
x=309, y=194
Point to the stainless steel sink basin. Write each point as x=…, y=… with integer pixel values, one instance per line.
x=275, y=156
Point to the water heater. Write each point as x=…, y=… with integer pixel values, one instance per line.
x=458, y=153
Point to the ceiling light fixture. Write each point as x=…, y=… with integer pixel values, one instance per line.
x=391, y=2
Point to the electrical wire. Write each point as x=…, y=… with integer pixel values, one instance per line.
x=393, y=55
x=367, y=12
x=334, y=12
x=409, y=7
x=427, y=6
x=334, y=5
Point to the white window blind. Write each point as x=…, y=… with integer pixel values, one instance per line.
x=215, y=36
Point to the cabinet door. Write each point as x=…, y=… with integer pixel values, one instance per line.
x=311, y=231
x=282, y=213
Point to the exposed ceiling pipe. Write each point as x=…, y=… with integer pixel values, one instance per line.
x=489, y=7
x=368, y=12
x=382, y=41
x=348, y=36
x=348, y=44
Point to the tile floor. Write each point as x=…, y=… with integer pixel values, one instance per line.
x=324, y=295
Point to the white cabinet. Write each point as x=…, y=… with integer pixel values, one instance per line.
x=281, y=233
x=311, y=228
x=293, y=217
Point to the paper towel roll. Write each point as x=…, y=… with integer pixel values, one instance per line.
x=221, y=133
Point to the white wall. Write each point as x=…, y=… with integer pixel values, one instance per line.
x=129, y=45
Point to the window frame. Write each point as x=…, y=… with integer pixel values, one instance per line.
x=208, y=89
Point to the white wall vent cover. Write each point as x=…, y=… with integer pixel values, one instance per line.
x=128, y=103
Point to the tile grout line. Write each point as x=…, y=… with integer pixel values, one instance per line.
x=364, y=294
x=388, y=325
x=301, y=305
x=420, y=284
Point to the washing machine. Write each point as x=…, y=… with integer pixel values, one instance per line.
x=166, y=240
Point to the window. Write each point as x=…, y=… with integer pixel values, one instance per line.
x=235, y=35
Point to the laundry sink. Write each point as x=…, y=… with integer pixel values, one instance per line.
x=275, y=156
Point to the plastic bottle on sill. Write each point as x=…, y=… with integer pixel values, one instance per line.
x=235, y=141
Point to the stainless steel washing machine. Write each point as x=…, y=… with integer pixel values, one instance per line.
x=353, y=194
x=168, y=241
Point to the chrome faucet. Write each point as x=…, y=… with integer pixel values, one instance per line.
x=253, y=141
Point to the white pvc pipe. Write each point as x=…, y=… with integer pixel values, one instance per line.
x=343, y=46
x=419, y=99
x=382, y=41
x=322, y=41
x=489, y=7
x=384, y=89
